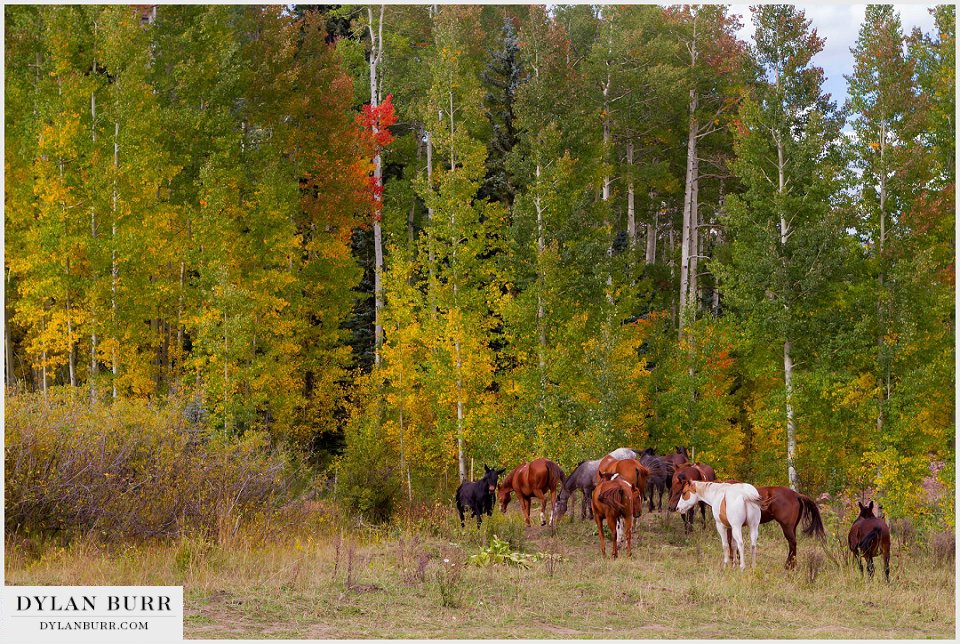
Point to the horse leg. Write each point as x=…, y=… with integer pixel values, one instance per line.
x=553, y=504
x=478, y=514
x=525, y=507
x=460, y=512
x=703, y=514
x=543, y=506
x=754, y=536
x=859, y=563
x=599, y=520
x=738, y=539
x=614, y=524
x=870, y=566
x=790, y=534
x=628, y=521
x=886, y=564
x=725, y=537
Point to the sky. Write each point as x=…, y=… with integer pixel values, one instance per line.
x=840, y=25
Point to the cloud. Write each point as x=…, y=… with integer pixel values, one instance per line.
x=840, y=25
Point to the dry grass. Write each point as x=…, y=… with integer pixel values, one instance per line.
x=393, y=582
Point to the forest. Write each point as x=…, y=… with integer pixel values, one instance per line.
x=363, y=250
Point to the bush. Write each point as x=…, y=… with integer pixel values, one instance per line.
x=127, y=469
x=369, y=477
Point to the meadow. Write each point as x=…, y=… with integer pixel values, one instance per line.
x=336, y=578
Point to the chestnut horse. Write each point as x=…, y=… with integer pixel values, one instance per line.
x=870, y=536
x=630, y=470
x=536, y=478
x=613, y=500
x=683, y=474
x=788, y=508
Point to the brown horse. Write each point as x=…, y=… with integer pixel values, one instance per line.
x=788, y=508
x=630, y=470
x=870, y=536
x=678, y=459
x=613, y=500
x=536, y=478
x=695, y=472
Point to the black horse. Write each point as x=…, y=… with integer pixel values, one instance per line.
x=478, y=495
x=661, y=474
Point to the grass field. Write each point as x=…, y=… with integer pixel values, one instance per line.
x=411, y=579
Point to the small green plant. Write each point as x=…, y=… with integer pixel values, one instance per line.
x=500, y=552
x=449, y=578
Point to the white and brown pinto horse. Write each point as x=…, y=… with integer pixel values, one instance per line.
x=734, y=505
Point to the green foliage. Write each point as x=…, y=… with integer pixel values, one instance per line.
x=499, y=552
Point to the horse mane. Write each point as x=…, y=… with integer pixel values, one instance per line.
x=570, y=481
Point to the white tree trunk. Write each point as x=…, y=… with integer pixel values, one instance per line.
x=541, y=279
x=631, y=211
x=687, y=241
x=791, y=423
x=651, y=255
x=376, y=53
x=114, y=272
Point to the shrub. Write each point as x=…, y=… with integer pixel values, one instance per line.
x=943, y=546
x=128, y=469
x=368, y=473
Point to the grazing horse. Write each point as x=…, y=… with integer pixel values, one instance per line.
x=734, y=505
x=478, y=495
x=581, y=478
x=661, y=473
x=613, y=500
x=695, y=472
x=789, y=508
x=870, y=536
x=536, y=478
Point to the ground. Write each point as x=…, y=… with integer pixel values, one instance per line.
x=411, y=579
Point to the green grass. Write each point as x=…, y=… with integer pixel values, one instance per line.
x=672, y=587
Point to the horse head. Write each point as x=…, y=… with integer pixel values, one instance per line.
x=683, y=451
x=649, y=452
x=490, y=477
x=688, y=497
x=866, y=511
x=676, y=489
x=503, y=495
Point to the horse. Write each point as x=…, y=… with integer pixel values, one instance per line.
x=869, y=536
x=630, y=470
x=788, y=508
x=478, y=495
x=536, y=478
x=695, y=472
x=681, y=457
x=661, y=472
x=613, y=501
x=622, y=452
x=734, y=505
x=581, y=478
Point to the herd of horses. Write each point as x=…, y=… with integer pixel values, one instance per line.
x=615, y=488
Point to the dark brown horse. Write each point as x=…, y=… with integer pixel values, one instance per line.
x=789, y=508
x=679, y=458
x=870, y=536
x=695, y=472
x=534, y=479
x=631, y=471
x=613, y=500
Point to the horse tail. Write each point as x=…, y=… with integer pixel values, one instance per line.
x=614, y=498
x=555, y=472
x=810, y=514
x=867, y=542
